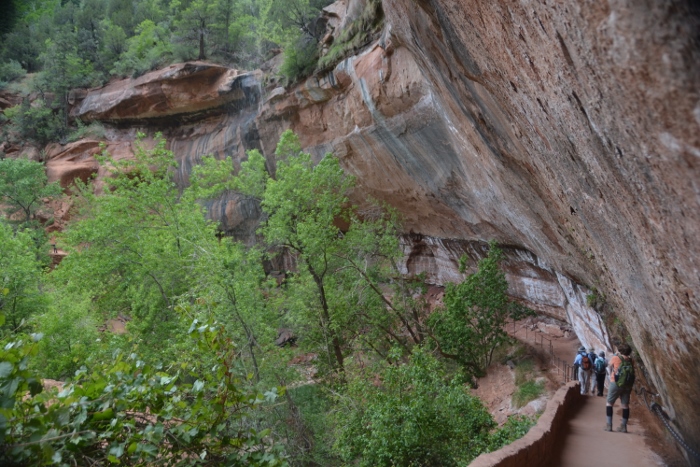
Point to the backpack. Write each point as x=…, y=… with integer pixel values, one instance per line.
x=600, y=365
x=585, y=363
x=624, y=377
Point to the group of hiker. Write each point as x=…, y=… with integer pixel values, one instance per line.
x=592, y=371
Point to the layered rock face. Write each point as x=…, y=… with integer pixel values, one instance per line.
x=569, y=132
x=568, y=129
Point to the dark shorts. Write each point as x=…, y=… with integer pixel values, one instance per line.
x=614, y=392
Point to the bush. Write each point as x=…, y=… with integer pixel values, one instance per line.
x=515, y=427
x=417, y=417
x=36, y=121
x=526, y=392
x=94, y=130
x=11, y=70
x=129, y=413
x=300, y=59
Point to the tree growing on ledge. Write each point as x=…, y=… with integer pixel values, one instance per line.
x=471, y=324
x=23, y=184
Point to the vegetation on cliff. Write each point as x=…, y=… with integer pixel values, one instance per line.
x=71, y=44
x=144, y=250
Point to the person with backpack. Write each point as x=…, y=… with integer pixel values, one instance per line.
x=583, y=364
x=600, y=372
x=592, y=357
x=621, y=383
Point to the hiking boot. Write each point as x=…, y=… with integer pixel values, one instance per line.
x=622, y=429
x=608, y=427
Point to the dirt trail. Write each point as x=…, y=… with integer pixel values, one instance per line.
x=586, y=443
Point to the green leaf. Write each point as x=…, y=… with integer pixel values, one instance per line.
x=5, y=369
x=104, y=415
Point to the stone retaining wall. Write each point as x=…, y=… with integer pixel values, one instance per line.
x=539, y=445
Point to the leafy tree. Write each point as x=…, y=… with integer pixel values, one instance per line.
x=471, y=324
x=36, y=121
x=416, y=415
x=302, y=202
x=71, y=336
x=11, y=70
x=137, y=247
x=23, y=185
x=148, y=49
x=130, y=413
x=21, y=294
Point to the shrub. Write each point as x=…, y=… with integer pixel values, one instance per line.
x=94, y=130
x=300, y=59
x=129, y=413
x=515, y=427
x=36, y=121
x=11, y=70
x=417, y=417
x=526, y=392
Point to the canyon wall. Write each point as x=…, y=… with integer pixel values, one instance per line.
x=568, y=131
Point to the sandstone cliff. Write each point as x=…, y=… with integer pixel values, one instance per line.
x=568, y=131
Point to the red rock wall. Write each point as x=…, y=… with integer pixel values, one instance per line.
x=568, y=128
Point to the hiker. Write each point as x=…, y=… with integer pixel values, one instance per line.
x=584, y=366
x=621, y=382
x=601, y=367
x=54, y=248
x=592, y=357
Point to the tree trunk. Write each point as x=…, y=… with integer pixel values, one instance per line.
x=202, y=27
x=337, y=350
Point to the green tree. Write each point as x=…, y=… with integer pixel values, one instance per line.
x=303, y=202
x=130, y=413
x=471, y=324
x=21, y=294
x=23, y=186
x=417, y=415
x=146, y=50
x=195, y=24
x=136, y=248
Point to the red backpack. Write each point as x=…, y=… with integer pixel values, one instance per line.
x=585, y=363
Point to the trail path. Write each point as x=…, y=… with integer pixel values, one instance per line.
x=585, y=443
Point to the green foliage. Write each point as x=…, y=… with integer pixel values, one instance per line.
x=299, y=59
x=138, y=247
x=145, y=51
x=514, y=428
x=132, y=413
x=94, y=130
x=23, y=185
x=595, y=299
x=11, y=70
x=526, y=392
x=70, y=334
x=523, y=371
x=356, y=35
x=21, y=295
x=471, y=324
x=417, y=416
x=302, y=203
x=143, y=249
x=36, y=121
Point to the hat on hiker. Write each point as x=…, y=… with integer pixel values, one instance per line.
x=601, y=354
x=582, y=349
x=591, y=349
